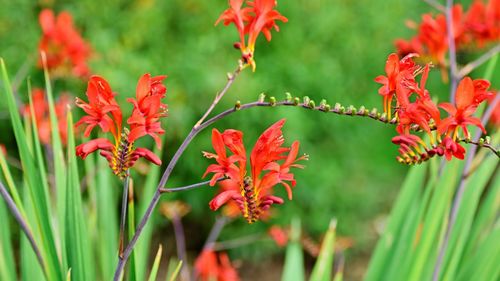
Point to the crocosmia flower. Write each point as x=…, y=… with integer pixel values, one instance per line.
x=66, y=51
x=259, y=16
x=468, y=96
x=270, y=164
x=210, y=266
x=103, y=111
x=42, y=116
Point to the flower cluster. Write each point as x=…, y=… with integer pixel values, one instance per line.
x=65, y=49
x=414, y=107
x=476, y=27
x=102, y=110
x=210, y=266
x=259, y=16
x=42, y=116
x=252, y=194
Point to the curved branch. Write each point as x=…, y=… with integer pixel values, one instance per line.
x=22, y=223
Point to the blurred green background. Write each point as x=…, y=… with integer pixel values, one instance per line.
x=329, y=49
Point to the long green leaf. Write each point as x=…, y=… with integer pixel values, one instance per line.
x=7, y=265
x=461, y=229
x=175, y=272
x=37, y=192
x=77, y=245
x=383, y=252
x=294, y=258
x=322, y=270
x=156, y=264
x=131, y=230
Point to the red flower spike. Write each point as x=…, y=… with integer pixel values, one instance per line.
x=270, y=164
x=258, y=17
x=148, y=109
x=465, y=106
x=65, y=49
x=103, y=111
x=210, y=266
x=42, y=115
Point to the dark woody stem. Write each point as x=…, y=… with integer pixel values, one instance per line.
x=22, y=223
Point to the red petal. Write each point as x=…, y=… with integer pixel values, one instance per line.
x=148, y=155
x=222, y=199
x=465, y=93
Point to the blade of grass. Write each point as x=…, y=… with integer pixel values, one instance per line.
x=57, y=153
x=131, y=228
x=322, y=270
x=437, y=211
x=383, y=251
x=156, y=264
x=175, y=272
x=7, y=265
x=77, y=245
x=143, y=244
x=294, y=258
x=106, y=219
x=485, y=219
x=460, y=231
x=36, y=188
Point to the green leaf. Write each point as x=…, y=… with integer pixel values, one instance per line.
x=7, y=265
x=37, y=190
x=156, y=264
x=404, y=204
x=77, y=245
x=131, y=230
x=294, y=259
x=322, y=270
x=173, y=270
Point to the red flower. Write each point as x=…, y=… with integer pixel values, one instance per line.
x=148, y=109
x=468, y=96
x=66, y=51
x=103, y=111
x=3, y=149
x=252, y=194
x=258, y=17
x=451, y=148
x=42, y=115
x=400, y=78
x=210, y=266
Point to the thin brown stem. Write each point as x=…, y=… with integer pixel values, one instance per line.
x=450, y=34
x=238, y=242
x=219, y=224
x=468, y=68
x=218, y=96
x=23, y=224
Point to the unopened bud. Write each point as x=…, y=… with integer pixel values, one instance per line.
x=336, y=108
x=306, y=100
x=327, y=107
x=262, y=97
x=296, y=101
x=351, y=110
x=481, y=142
x=487, y=140
x=312, y=104
x=322, y=103
x=272, y=100
x=237, y=105
x=362, y=110
x=288, y=97
x=383, y=117
x=374, y=112
x=229, y=76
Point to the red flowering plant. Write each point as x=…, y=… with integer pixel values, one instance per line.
x=252, y=193
x=475, y=28
x=66, y=51
x=42, y=118
x=424, y=114
x=259, y=16
x=102, y=110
